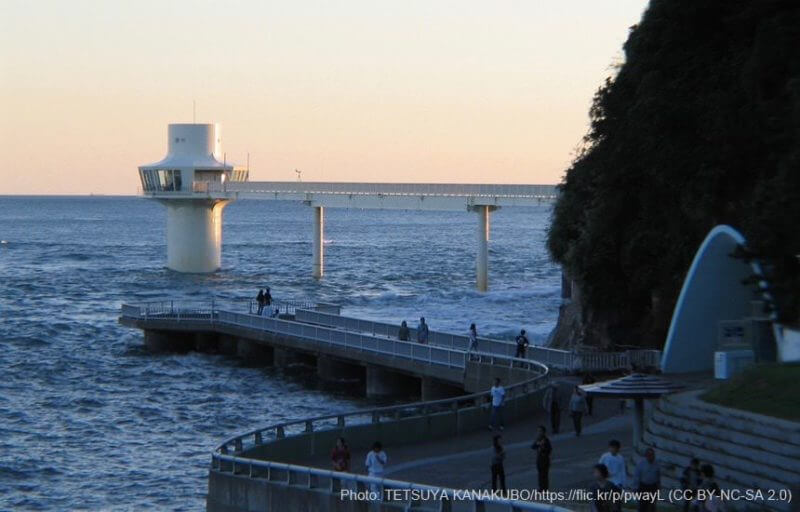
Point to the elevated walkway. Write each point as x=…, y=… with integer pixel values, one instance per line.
x=443, y=370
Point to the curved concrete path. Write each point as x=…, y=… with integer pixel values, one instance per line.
x=463, y=462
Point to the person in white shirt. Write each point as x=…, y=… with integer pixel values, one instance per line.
x=498, y=393
x=376, y=463
x=615, y=462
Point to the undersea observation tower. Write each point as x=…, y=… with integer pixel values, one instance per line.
x=191, y=181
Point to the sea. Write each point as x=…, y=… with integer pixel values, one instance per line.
x=89, y=420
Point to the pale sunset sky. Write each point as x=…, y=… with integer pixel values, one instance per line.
x=425, y=91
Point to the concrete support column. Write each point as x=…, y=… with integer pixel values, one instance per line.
x=335, y=370
x=194, y=234
x=227, y=344
x=482, y=259
x=434, y=389
x=318, y=243
x=168, y=341
x=206, y=342
x=254, y=353
x=384, y=382
x=638, y=421
x=288, y=357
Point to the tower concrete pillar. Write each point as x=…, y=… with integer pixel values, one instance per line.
x=318, y=243
x=194, y=234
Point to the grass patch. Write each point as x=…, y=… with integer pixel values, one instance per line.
x=769, y=389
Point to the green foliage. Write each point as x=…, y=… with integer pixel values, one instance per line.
x=701, y=126
x=763, y=389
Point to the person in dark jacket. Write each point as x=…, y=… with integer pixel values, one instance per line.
x=553, y=407
x=600, y=492
x=403, y=334
x=544, y=449
x=260, y=301
x=498, y=462
x=267, y=298
x=522, y=344
x=691, y=479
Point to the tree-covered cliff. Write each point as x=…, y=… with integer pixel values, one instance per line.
x=701, y=126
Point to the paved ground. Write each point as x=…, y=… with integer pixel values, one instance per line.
x=463, y=462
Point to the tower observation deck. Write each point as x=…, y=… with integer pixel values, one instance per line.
x=195, y=182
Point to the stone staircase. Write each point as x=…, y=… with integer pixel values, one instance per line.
x=747, y=450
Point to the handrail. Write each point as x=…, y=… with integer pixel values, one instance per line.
x=557, y=358
x=541, y=371
x=554, y=357
x=271, y=470
x=397, y=189
x=221, y=457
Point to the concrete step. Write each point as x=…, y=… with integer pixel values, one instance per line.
x=758, y=451
x=741, y=473
x=688, y=405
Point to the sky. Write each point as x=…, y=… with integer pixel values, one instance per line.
x=466, y=91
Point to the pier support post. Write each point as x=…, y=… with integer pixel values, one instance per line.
x=384, y=382
x=434, y=389
x=318, y=244
x=482, y=260
x=254, y=353
x=331, y=369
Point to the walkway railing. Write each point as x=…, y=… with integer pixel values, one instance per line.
x=318, y=334
x=228, y=457
x=395, y=189
x=555, y=358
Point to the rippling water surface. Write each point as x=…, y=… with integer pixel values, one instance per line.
x=90, y=420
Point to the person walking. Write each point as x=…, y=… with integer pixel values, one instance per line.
x=260, y=302
x=267, y=298
x=473, y=338
x=498, y=393
x=498, y=464
x=711, y=501
x=403, y=334
x=544, y=450
x=340, y=455
x=600, y=491
x=589, y=379
x=376, y=463
x=691, y=479
x=552, y=406
x=647, y=479
x=615, y=463
x=577, y=408
x=422, y=331
x=522, y=344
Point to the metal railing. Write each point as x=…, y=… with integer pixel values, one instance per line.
x=396, y=189
x=556, y=358
x=227, y=457
x=335, y=482
x=318, y=334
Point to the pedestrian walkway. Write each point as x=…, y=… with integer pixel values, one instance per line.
x=463, y=462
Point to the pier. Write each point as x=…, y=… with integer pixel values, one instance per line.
x=274, y=467
x=195, y=182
